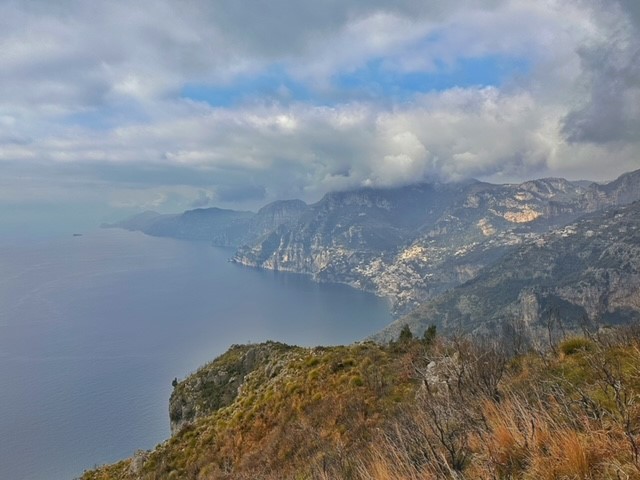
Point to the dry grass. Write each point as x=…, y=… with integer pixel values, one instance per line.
x=452, y=410
x=571, y=416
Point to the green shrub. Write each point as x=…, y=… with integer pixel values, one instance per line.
x=312, y=362
x=356, y=381
x=429, y=336
x=405, y=334
x=573, y=345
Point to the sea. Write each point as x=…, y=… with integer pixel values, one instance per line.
x=94, y=328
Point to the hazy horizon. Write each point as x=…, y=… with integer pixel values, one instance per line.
x=46, y=221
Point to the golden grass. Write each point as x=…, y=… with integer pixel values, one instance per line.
x=372, y=413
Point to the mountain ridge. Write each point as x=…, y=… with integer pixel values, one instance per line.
x=408, y=244
x=452, y=236
x=584, y=275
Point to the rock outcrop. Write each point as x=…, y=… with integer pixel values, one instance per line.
x=583, y=275
x=413, y=243
x=217, y=384
x=409, y=244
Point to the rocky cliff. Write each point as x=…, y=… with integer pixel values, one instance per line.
x=413, y=243
x=434, y=408
x=272, y=216
x=583, y=275
x=363, y=222
x=409, y=244
x=217, y=384
x=275, y=411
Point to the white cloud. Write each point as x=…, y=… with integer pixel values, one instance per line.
x=90, y=100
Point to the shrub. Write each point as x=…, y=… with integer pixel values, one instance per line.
x=429, y=336
x=405, y=334
x=573, y=345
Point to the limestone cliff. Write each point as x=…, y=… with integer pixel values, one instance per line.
x=409, y=243
x=583, y=275
x=413, y=243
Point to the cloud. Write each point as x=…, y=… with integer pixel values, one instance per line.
x=229, y=194
x=610, y=111
x=70, y=55
x=273, y=151
x=110, y=100
x=204, y=199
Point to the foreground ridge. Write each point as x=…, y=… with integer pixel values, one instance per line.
x=427, y=408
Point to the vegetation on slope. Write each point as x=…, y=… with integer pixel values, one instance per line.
x=302, y=412
x=419, y=409
x=218, y=383
x=586, y=274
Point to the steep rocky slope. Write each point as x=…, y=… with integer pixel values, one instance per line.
x=272, y=216
x=413, y=243
x=362, y=223
x=217, y=225
x=586, y=274
x=220, y=226
x=409, y=244
x=218, y=383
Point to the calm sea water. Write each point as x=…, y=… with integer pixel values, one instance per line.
x=94, y=328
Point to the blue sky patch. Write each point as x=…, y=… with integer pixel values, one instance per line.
x=375, y=80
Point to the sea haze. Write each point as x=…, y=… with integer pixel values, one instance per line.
x=94, y=328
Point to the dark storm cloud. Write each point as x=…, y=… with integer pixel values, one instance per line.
x=611, y=74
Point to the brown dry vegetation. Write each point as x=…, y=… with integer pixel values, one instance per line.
x=452, y=409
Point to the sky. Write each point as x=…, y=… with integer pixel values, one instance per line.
x=113, y=107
